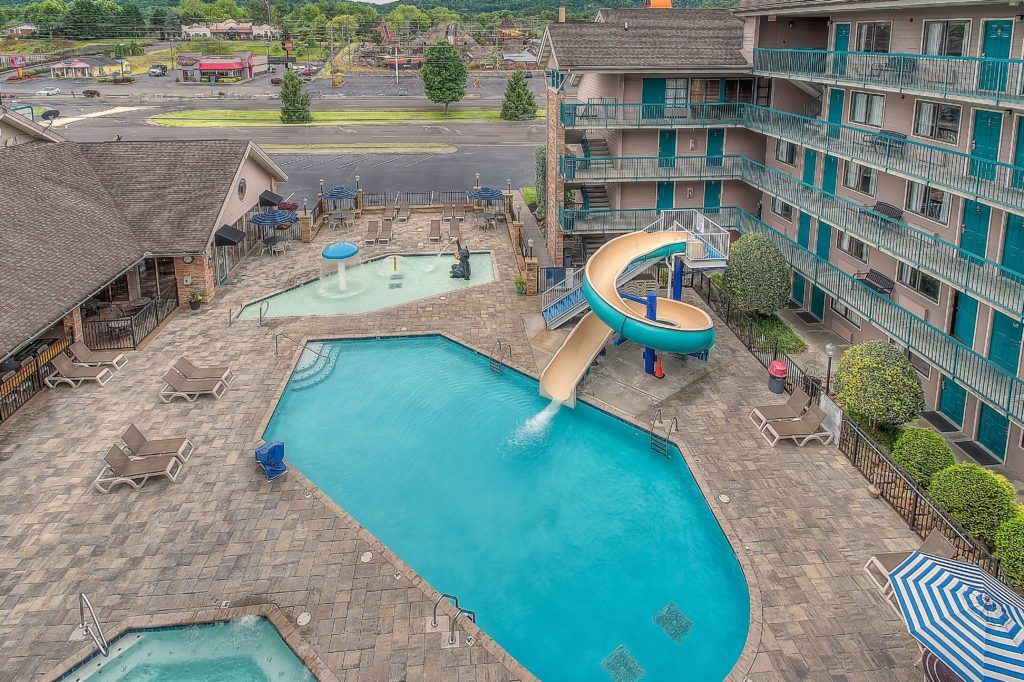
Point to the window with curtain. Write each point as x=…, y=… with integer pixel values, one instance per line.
x=948, y=38
x=867, y=108
x=860, y=178
x=873, y=36
x=785, y=152
x=937, y=121
x=704, y=90
x=782, y=209
x=925, y=285
x=852, y=246
x=739, y=90
x=677, y=91
x=928, y=202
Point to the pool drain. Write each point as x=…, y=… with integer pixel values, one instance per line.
x=304, y=618
x=723, y=498
x=309, y=494
x=366, y=557
x=397, y=575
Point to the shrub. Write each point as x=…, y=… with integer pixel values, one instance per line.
x=540, y=169
x=979, y=499
x=758, y=275
x=876, y=383
x=1010, y=549
x=781, y=333
x=923, y=453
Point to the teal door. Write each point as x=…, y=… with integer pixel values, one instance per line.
x=995, y=48
x=666, y=195
x=1013, y=244
x=829, y=174
x=965, y=316
x=803, y=232
x=975, y=227
x=716, y=146
x=652, y=98
x=840, y=46
x=952, y=400
x=1004, y=346
x=1018, y=155
x=818, y=303
x=713, y=194
x=823, y=242
x=799, y=283
x=836, y=97
x=666, y=148
x=985, y=144
x=810, y=165
x=992, y=429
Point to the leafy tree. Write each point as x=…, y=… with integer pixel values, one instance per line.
x=132, y=21
x=439, y=15
x=444, y=74
x=923, y=453
x=345, y=24
x=758, y=275
x=519, y=104
x=46, y=13
x=540, y=165
x=294, y=102
x=876, y=383
x=979, y=499
x=192, y=11
x=1010, y=548
x=226, y=9
x=405, y=16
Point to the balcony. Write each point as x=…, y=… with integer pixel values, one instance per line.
x=605, y=220
x=614, y=115
x=976, y=79
x=640, y=168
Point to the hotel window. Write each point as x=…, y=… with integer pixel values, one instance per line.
x=705, y=90
x=920, y=364
x=785, y=152
x=873, y=36
x=781, y=208
x=946, y=38
x=867, y=108
x=937, y=121
x=843, y=311
x=852, y=246
x=927, y=201
x=677, y=91
x=860, y=178
x=739, y=90
x=924, y=284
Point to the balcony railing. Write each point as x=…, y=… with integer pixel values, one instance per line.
x=985, y=279
x=997, y=81
x=130, y=325
x=996, y=386
x=605, y=220
x=18, y=386
x=614, y=115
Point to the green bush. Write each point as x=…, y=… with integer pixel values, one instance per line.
x=979, y=499
x=781, y=333
x=540, y=169
x=1010, y=549
x=758, y=275
x=923, y=453
x=876, y=383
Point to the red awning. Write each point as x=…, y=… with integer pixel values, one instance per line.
x=219, y=66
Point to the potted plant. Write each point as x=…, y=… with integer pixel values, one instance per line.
x=195, y=299
x=520, y=285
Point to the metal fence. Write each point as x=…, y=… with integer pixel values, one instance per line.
x=432, y=198
x=127, y=331
x=27, y=380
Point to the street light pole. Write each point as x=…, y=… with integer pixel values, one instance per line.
x=830, y=350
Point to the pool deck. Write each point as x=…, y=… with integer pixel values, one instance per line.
x=800, y=519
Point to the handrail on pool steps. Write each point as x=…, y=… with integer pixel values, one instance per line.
x=97, y=636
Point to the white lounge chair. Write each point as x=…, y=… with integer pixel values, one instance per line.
x=120, y=468
x=808, y=427
x=793, y=409
x=86, y=356
x=67, y=372
x=177, y=386
x=139, y=445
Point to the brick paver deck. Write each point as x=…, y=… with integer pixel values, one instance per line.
x=801, y=519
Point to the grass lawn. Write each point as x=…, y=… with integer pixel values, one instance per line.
x=530, y=195
x=773, y=327
x=222, y=118
x=51, y=45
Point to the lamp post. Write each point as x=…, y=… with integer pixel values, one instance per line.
x=321, y=186
x=357, y=183
x=477, y=185
x=830, y=350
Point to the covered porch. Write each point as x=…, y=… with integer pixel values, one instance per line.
x=130, y=307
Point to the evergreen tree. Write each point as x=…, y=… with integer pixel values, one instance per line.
x=294, y=102
x=519, y=104
x=444, y=74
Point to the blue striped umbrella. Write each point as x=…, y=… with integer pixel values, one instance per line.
x=484, y=194
x=338, y=193
x=968, y=619
x=274, y=218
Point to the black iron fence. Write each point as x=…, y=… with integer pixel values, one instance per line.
x=18, y=386
x=904, y=494
x=432, y=198
x=128, y=327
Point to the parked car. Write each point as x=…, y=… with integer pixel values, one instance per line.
x=275, y=81
x=402, y=92
x=308, y=72
x=46, y=92
x=90, y=93
x=158, y=70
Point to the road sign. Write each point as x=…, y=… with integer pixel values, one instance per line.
x=19, y=60
x=288, y=46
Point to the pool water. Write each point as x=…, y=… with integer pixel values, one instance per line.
x=248, y=649
x=565, y=533
x=375, y=284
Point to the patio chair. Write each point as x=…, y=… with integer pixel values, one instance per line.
x=270, y=457
x=138, y=445
x=372, y=230
x=435, y=231
x=447, y=211
x=67, y=372
x=385, y=232
x=880, y=566
x=455, y=229
x=120, y=468
x=800, y=431
x=337, y=220
x=177, y=386
x=87, y=356
x=188, y=370
x=459, y=214
x=403, y=212
x=793, y=409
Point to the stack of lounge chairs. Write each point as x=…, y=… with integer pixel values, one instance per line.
x=185, y=380
x=798, y=420
x=142, y=459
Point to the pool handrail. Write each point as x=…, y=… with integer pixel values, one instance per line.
x=97, y=636
x=443, y=595
x=451, y=629
x=300, y=344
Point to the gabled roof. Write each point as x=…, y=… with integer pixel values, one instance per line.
x=27, y=126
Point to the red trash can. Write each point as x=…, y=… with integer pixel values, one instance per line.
x=777, y=372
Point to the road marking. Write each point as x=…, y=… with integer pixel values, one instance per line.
x=426, y=158
x=96, y=114
x=378, y=165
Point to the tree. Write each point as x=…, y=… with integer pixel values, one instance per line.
x=294, y=102
x=979, y=499
x=758, y=275
x=923, y=453
x=1010, y=548
x=444, y=74
x=408, y=16
x=192, y=11
x=519, y=104
x=438, y=15
x=540, y=180
x=132, y=21
x=876, y=383
x=226, y=9
x=47, y=14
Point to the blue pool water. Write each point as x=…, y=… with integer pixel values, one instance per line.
x=568, y=538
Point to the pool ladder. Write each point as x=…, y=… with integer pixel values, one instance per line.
x=659, y=443
x=460, y=611
x=500, y=350
x=93, y=629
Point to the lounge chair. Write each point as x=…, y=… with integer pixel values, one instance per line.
x=880, y=566
x=459, y=214
x=86, y=356
x=67, y=372
x=120, y=468
x=372, y=230
x=799, y=431
x=447, y=210
x=177, y=386
x=139, y=446
x=455, y=229
x=403, y=212
x=793, y=409
x=186, y=369
x=385, y=232
x=435, y=231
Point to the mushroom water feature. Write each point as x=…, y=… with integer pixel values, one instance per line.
x=342, y=252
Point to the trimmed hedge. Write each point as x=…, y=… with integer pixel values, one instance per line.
x=979, y=499
x=1010, y=549
x=876, y=383
x=758, y=274
x=923, y=453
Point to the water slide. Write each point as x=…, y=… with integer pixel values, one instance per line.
x=680, y=328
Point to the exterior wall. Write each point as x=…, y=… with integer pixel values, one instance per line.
x=202, y=277
x=11, y=136
x=553, y=189
x=793, y=32
x=598, y=85
x=257, y=179
x=788, y=97
x=72, y=323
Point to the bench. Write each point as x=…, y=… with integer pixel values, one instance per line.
x=877, y=281
x=888, y=210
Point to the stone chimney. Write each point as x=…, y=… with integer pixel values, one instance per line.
x=561, y=14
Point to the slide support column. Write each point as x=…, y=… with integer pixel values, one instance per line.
x=652, y=314
x=677, y=279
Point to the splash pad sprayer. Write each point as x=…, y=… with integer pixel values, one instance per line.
x=342, y=252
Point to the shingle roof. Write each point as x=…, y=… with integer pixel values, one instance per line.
x=656, y=38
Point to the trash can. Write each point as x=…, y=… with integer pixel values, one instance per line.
x=777, y=376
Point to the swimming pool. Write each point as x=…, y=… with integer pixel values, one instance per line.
x=375, y=284
x=581, y=551
x=247, y=649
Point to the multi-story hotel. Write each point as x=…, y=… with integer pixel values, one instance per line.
x=879, y=144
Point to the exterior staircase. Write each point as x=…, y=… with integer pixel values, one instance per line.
x=595, y=197
x=813, y=106
x=315, y=364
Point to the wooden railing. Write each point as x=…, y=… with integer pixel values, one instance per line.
x=28, y=380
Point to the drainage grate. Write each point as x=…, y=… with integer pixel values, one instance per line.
x=621, y=665
x=673, y=622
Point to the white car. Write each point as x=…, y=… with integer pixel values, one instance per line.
x=46, y=92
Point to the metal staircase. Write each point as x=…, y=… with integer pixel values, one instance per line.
x=813, y=106
x=595, y=197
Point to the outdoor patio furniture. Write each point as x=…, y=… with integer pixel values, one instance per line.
x=190, y=371
x=459, y=214
x=67, y=372
x=793, y=409
x=403, y=212
x=435, y=231
x=120, y=468
x=880, y=566
x=86, y=356
x=372, y=231
x=337, y=220
x=447, y=211
x=270, y=457
x=386, y=232
x=138, y=445
x=488, y=219
x=808, y=427
x=455, y=229
x=273, y=244
x=877, y=281
x=177, y=386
